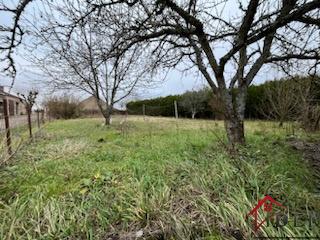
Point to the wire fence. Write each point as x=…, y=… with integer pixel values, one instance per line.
x=15, y=130
x=17, y=121
x=176, y=109
x=148, y=110
x=167, y=110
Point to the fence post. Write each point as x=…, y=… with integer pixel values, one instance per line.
x=42, y=116
x=7, y=124
x=176, y=109
x=38, y=118
x=144, y=111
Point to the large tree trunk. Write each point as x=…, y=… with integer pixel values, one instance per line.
x=233, y=124
x=235, y=131
x=234, y=109
x=107, y=120
x=108, y=115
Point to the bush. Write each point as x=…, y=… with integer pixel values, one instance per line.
x=63, y=107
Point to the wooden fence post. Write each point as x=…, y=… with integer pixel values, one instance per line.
x=176, y=109
x=7, y=124
x=144, y=111
x=42, y=116
x=38, y=118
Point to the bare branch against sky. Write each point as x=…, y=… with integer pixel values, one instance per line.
x=77, y=57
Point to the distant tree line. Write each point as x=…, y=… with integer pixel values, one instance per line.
x=294, y=99
x=297, y=98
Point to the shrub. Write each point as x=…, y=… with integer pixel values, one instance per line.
x=63, y=107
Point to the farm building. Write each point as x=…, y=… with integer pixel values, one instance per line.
x=15, y=104
x=89, y=106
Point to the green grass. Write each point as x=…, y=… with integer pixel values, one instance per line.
x=19, y=135
x=172, y=179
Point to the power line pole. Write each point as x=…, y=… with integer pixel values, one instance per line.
x=176, y=109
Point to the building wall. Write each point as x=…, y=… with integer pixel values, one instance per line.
x=90, y=104
x=15, y=106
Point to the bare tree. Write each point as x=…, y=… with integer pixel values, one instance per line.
x=281, y=101
x=11, y=36
x=79, y=59
x=260, y=32
x=296, y=99
x=308, y=107
x=194, y=101
x=229, y=51
x=29, y=100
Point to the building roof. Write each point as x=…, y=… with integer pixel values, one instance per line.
x=3, y=93
x=88, y=98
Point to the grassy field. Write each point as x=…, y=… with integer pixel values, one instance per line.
x=19, y=135
x=156, y=178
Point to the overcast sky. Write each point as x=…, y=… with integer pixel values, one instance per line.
x=176, y=82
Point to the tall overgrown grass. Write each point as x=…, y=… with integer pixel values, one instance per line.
x=162, y=179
